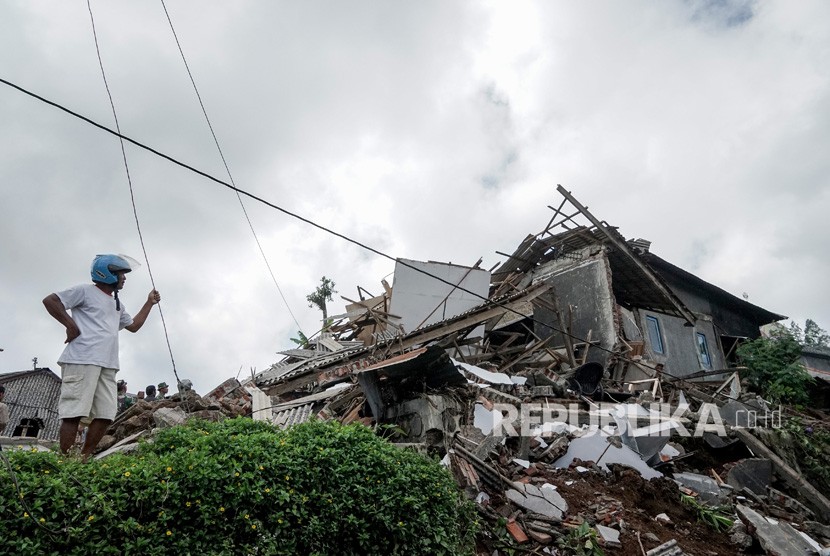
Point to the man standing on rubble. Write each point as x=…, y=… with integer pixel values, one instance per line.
x=89, y=362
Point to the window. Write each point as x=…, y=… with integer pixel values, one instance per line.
x=703, y=350
x=656, y=339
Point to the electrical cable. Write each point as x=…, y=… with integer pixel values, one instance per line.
x=225, y=163
x=291, y=214
x=130, y=183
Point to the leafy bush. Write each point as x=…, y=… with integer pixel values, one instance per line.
x=237, y=487
x=810, y=447
x=773, y=368
x=717, y=517
x=582, y=541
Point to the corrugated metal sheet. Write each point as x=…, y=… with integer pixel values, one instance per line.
x=268, y=377
x=293, y=416
x=669, y=548
x=31, y=394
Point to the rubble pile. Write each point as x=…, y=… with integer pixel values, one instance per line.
x=228, y=400
x=572, y=393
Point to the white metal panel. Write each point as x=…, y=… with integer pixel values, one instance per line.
x=419, y=299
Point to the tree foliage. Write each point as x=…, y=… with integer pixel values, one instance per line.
x=773, y=367
x=321, y=295
x=811, y=336
x=301, y=339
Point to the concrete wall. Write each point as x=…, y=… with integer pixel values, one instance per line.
x=730, y=320
x=585, y=285
x=680, y=348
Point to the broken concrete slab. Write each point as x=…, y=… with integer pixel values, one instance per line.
x=789, y=503
x=753, y=473
x=596, y=448
x=610, y=537
x=428, y=419
x=124, y=445
x=169, y=417
x=483, y=374
x=777, y=538
x=543, y=501
x=708, y=489
x=738, y=415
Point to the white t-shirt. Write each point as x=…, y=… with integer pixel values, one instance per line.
x=94, y=313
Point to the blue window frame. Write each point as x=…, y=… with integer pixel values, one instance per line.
x=654, y=335
x=703, y=350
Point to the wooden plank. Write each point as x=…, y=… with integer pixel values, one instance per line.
x=472, y=320
x=790, y=475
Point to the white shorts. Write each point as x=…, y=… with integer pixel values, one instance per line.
x=87, y=391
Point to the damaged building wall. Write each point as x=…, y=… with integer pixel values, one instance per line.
x=585, y=288
x=679, y=346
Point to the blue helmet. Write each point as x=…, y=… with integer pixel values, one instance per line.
x=104, y=268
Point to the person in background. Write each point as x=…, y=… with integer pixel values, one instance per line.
x=151, y=393
x=124, y=399
x=140, y=395
x=4, y=410
x=90, y=360
x=162, y=389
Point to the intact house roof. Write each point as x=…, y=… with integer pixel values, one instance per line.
x=33, y=395
x=665, y=268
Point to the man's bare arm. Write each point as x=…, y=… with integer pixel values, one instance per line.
x=54, y=306
x=138, y=320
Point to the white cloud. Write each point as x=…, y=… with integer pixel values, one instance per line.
x=427, y=130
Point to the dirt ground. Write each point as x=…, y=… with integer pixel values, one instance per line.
x=636, y=502
x=624, y=496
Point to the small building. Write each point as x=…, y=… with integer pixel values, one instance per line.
x=816, y=361
x=32, y=397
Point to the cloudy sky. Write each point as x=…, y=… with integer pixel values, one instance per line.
x=429, y=130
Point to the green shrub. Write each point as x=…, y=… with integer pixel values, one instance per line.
x=237, y=487
x=773, y=368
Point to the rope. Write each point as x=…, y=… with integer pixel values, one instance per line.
x=225, y=163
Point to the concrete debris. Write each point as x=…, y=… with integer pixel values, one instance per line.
x=669, y=548
x=598, y=449
x=543, y=501
x=610, y=537
x=706, y=488
x=752, y=473
x=777, y=538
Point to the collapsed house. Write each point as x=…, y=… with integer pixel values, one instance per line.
x=584, y=328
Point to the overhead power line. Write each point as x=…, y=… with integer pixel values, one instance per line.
x=286, y=211
x=225, y=163
x=130, y=182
